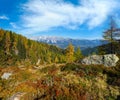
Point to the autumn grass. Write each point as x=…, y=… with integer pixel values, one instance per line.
x=65, y=82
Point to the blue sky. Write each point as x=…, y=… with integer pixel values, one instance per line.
x=82, y=19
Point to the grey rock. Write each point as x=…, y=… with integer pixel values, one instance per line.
x=38, y=62
x=16, y=96
x=110, y=60
x=6, y=75
x=106, y=60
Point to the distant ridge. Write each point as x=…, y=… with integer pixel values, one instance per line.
x=63, y=42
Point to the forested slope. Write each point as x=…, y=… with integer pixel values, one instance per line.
x=17, y=48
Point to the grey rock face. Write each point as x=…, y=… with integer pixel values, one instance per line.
x=106, y=60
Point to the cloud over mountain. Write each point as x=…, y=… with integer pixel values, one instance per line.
x=44, y=15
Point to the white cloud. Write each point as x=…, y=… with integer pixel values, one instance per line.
x=13, y=25
x=3, y=17
x=43, y=15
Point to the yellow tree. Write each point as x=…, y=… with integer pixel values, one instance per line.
x=1, y=34
x=70, y=53
x=7, y=42
x=56, y=59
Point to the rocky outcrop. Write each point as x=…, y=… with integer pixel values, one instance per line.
x=106, y=60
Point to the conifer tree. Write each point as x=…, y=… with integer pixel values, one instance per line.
x=78, y=54
x=112, y=34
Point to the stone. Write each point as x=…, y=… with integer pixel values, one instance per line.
x=38, y=62
x=106, y=60
x=17, y=96
x=6, y=75
x=110, y=60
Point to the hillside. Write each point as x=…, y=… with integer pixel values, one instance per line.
x=15, y=48
x=106, y=48
x=60, y=82
x=31, y=70
x=103, y=49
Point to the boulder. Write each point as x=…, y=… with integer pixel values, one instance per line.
x=106, y=60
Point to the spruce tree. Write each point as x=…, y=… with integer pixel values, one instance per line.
x=78, y=54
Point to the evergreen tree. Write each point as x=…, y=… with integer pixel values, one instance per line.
x=78, y=54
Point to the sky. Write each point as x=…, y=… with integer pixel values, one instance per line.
x=79, y=19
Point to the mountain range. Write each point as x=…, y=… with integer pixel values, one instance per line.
x=64, y=42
